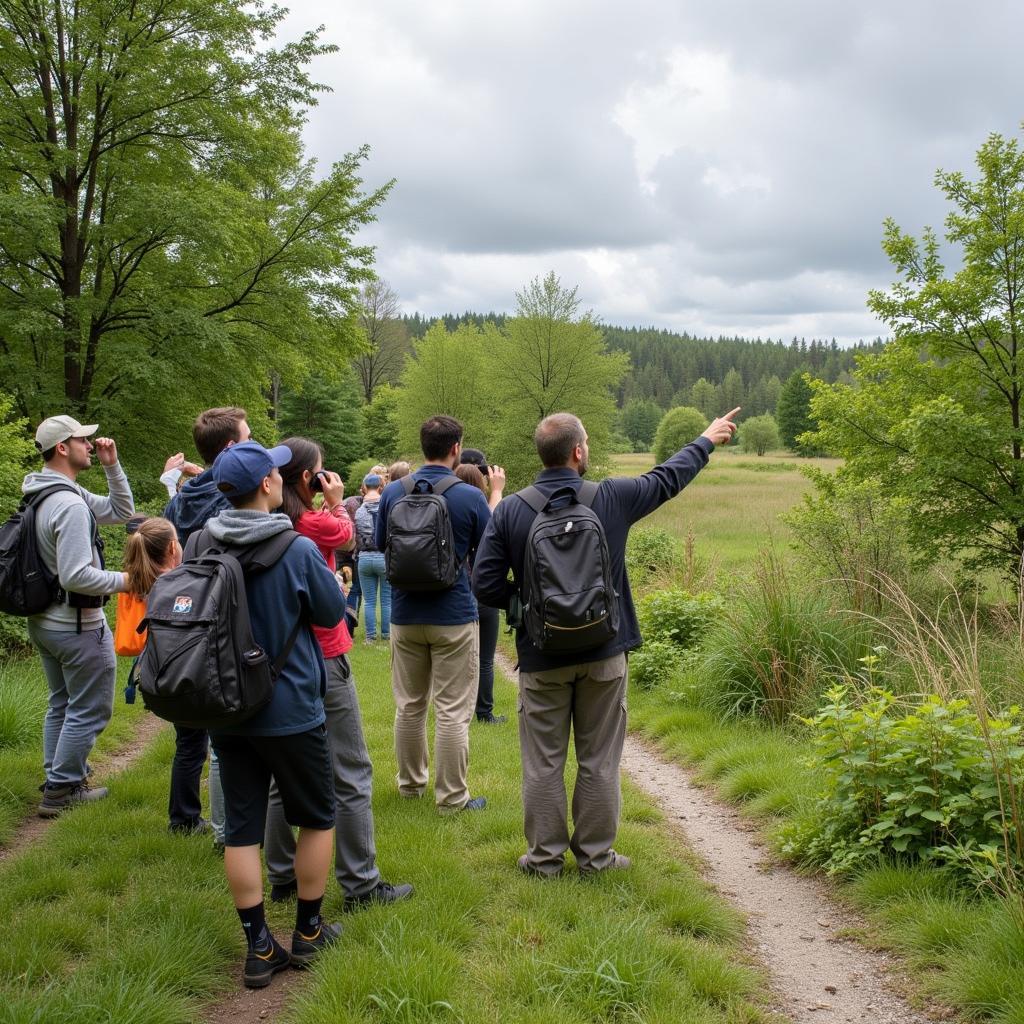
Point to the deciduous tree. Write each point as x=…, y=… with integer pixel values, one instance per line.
x=385, y=336
x=678, y=428
x=936, y=416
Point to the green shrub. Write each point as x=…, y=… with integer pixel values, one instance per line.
x=655, y=663
x=652, y=554
x=678, y=617
x=930, y=783
x=678, y=427
x=776, y=647
x=759, y=434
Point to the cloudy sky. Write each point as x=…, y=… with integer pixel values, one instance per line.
x=717, y=167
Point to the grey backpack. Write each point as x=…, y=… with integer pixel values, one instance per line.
x=568, y=597
x=201, y=666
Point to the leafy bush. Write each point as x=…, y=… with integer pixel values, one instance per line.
x=677, y=616
x=851, y=532
x=931, y=783
x=776, y=646
x=678, y=427
x=652, y=554
x=654, y=663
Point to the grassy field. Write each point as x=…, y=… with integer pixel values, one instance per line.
x=23, y=696
x=110, y=918
x=733, y=505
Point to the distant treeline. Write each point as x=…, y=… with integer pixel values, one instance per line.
x=665, y=366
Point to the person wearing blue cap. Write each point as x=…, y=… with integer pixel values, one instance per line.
x=287, y=740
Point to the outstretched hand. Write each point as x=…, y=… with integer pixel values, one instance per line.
x=722, y=430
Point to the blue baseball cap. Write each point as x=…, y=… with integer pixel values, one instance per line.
x=241, y=468
x=372, y=480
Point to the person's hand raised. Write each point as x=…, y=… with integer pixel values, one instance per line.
x=496, y=476
x=722, y=430
x=106, y=450
x=333, y=488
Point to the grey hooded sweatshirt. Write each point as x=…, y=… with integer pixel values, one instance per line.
x=64, y=536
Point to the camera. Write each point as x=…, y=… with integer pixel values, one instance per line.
x=316, y=481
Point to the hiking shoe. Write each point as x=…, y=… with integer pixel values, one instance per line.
x=619, y=862
x=305, y=949
x=261, y=967
x=476, y=803
x=281, y=892
x=382, y=892
x=490, y=719
x=198, y=827
x=527, y=868
x=57, y=799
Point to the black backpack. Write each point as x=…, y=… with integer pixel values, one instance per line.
x=419, y=553
x=569, y=599
x=27, y=587
x=201, y=667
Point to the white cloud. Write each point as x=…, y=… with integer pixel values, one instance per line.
x=712, y=168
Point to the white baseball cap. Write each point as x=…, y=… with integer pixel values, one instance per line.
x=59, y=428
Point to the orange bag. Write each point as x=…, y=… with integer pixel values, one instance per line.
x=130, y=612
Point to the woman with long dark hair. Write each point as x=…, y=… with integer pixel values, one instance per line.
x=355, y=865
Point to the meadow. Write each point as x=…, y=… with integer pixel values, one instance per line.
x=732, y=507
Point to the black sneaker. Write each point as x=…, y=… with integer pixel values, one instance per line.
x=261, y=967
x=284, y=891
x=57, y=799
x=490, y=719
x=382, y=892
x=305, y=949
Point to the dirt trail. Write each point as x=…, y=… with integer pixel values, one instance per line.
x=792, y=921
x=32, y=828
x=254, y=1006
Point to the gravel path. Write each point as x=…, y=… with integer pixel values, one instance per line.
x=792, y=921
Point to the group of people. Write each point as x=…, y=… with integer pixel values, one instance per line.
x=302, y=762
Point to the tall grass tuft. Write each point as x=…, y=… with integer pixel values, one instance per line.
x=22, y=706
x=777, y=647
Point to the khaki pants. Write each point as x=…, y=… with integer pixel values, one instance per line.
x=591, y=700
x=438, y=663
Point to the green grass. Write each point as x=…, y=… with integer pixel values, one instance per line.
x=110, y=918
x=966, y=948
x=23, y=696
x=733, y=505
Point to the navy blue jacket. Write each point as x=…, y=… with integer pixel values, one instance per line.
x=197, y=502
x=620, y=502
x=469, y=515
x=300, y=584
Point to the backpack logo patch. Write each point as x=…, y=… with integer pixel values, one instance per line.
x=182, y=605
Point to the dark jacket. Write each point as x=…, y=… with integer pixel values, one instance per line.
x=196, y=502
x=469, y=514
x=620, y=502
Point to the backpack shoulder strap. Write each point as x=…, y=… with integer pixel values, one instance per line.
x=533, y=497
x=38, y=497
x=266, y=554
x=587, y=493
x=408, y=484
x=443, y=485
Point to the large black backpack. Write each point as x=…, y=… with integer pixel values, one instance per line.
x=201, y=666
x=27, y=587
x=419, y=553
x=569, y=599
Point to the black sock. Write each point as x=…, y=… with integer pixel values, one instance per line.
x=254, y=924
x=307, y=917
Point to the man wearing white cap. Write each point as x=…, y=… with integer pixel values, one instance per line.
x=71, y=634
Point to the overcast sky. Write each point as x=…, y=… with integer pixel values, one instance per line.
x=715, y=167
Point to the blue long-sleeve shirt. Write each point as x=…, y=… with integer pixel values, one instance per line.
x=620, y=502
x=469, y=515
